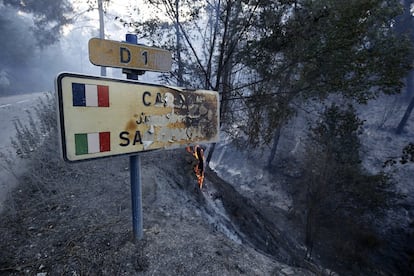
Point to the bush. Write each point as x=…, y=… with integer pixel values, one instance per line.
x=41, y=124
x=339, y=195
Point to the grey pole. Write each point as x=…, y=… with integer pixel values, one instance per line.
x=136, y=196
x=101, y=31
x=135, y=174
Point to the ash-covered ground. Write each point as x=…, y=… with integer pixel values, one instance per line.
x=75, y=219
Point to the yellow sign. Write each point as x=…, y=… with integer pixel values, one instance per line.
x=126, y=55
x=103, y=117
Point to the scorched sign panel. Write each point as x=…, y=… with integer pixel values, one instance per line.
x=102, y=117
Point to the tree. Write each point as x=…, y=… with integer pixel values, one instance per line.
x=167, y=28
x=311, y=49
x=405, y=26
x=48, y=17
x=338, y=189
x=405, y=117
x=27, y=25
x=295, y=50
x=172, y=10
x=204, y=37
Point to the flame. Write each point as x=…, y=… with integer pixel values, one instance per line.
x=198, y=153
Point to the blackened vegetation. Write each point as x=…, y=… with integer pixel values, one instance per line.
x=406, y=157
x=245, y=218
x=342, y=201
x=255, y=228
x=408, y=154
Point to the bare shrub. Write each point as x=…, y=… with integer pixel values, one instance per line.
x=40, y=124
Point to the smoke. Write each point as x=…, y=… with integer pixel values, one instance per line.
x=33, y=51
x=4, y=79
x=29, y=62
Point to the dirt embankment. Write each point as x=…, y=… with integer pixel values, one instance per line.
x=243, y=219
x=257, y=228
x=76, y=219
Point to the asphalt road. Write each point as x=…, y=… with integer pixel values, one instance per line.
x=12, y=108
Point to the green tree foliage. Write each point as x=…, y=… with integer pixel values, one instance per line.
x=337, y=189
x=309, y=49
x=267, y=57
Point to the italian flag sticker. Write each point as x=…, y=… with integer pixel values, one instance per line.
x=90, y=95
x=86, y=143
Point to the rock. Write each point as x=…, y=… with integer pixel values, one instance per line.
x=288, y=271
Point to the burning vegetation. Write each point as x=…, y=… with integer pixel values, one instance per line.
x=198, y=153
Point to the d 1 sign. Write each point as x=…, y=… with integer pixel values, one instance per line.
x=102, y=117
x=126, y=55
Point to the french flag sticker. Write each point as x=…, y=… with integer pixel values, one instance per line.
x=90, y=95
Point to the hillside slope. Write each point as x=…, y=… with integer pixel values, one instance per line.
x=76, y=218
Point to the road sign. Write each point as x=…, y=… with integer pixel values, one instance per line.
x=112, y=53
x=102, y=117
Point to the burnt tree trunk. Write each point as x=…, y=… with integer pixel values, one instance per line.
x=309, y=234
x=210, y=154
x=180, y=71
x=404, y=119
x=276, y=139
x=409, y=86
x=405, y=25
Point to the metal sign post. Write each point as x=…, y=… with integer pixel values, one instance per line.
x=135, y=175
x=136, y=196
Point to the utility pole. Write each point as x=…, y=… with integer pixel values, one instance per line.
x=101, y=31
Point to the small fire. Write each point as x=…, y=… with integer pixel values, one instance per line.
x=198, y=153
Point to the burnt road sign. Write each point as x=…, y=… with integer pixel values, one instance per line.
x=112, y=53
x=102, y=117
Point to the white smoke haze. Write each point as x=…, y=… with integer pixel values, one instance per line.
x=4, y=78
x=27, y=67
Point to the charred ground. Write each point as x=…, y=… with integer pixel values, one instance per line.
x=76, y=218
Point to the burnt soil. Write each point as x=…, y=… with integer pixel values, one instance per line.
x=76, y=219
